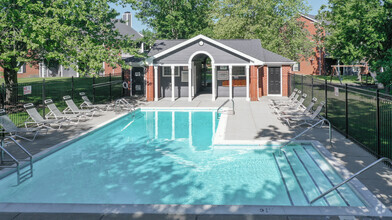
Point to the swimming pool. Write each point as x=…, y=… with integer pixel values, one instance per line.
x=167, y=157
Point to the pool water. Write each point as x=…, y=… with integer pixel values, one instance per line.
x=166, y=157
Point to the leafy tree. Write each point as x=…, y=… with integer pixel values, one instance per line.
x=361, y=30
x=75, y=33
x=175, y=19
x=274, y=22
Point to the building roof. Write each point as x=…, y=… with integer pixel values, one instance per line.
x=313, y=18
x=251, y=47
x=125, y=30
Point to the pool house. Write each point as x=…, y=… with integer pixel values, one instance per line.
x=220, y=68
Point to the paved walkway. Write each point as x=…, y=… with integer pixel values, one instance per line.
x=252, y=121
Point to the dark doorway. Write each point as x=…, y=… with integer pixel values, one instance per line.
x=138, y=81
x=274, y=80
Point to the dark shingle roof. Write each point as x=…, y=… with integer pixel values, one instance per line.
x=250, y=47
x=127, y=30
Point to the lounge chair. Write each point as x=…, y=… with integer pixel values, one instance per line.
x=72, y=108
x=294, y=105
x=87, y=104
x=123, y=104
x=281, y=103
x=36, y=119
x=291, y=97
x=12, y=130
x=55, y=113
x=307, y=119
x=302, y=111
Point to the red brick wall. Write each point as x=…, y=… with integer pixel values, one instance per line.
x=150, y=83
x=253, y=83
x=311, y=65
x=109, y=70
x=285, y=80
x=264, y=79
x=31, y=71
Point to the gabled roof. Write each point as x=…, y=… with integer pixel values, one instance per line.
x=125, y=30
x=250, y=49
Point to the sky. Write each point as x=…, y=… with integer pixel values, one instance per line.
x=138, y=26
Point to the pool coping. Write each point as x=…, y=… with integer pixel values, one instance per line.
x=374, y=207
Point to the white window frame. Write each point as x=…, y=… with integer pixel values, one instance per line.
x=297, y=67
x=21, y=69
x=168, y=67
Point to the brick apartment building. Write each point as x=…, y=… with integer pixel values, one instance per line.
x=40, y=70
x=315, y=64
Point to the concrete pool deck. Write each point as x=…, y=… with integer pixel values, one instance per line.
x=252, y=121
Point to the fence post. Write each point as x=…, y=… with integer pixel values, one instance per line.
x=312, y=87
x=93, y=89
x=346, y=88
x=326, y=99
x=110, y=87
x=3, y=94
x=43, y=98
x=302, y=83
x=294, y=80
x=72, y=88
x=378, y=123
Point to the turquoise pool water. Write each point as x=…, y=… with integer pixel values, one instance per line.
x=166, y=157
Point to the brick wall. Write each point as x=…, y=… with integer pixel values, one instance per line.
x=30, y=72
x=311, y=65
x=285, y=80
x=114, y=71
x=253, y=83
x=149, y=76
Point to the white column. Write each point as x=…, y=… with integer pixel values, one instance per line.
x=156, y=83
x=190, y=82
x=173, y=82
x=247, y=83
x=213, y=82
x=231, y=82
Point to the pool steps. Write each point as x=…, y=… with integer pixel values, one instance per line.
x=305, y=178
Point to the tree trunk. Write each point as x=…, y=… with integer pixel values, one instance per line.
x=11, y=82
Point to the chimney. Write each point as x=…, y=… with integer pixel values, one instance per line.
x=127, y=17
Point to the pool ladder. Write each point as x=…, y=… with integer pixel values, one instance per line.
x=21, y=175
x=219, y=110
x=352, y=177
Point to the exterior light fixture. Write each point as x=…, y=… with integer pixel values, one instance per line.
x=201, y=43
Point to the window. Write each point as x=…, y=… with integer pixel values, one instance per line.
x=22, y=69
x=167, y=71
x=238, y=71
x=296, y=67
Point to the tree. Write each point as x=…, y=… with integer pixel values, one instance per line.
x=361, y=30
x=76, y=33
x=274, y=22
x=175, y=19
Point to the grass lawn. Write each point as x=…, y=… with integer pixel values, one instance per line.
x=55, y=89
x=346, y=79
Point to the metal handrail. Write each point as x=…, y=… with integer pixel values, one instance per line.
x=352, y=177
x=16, y=160
x=232, y=105
x=308, y=129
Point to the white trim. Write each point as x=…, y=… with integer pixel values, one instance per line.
x=272, y=64
x=198, y=37
x=213, y=82
x=170, y=75
x=247, y=82
x=201, y=52
x=280, y=82
x=155, y=83
x=309, y=18
x=189, y=82
x=230, y=82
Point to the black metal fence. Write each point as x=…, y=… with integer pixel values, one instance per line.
x=99, y=90
x=364, y=116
